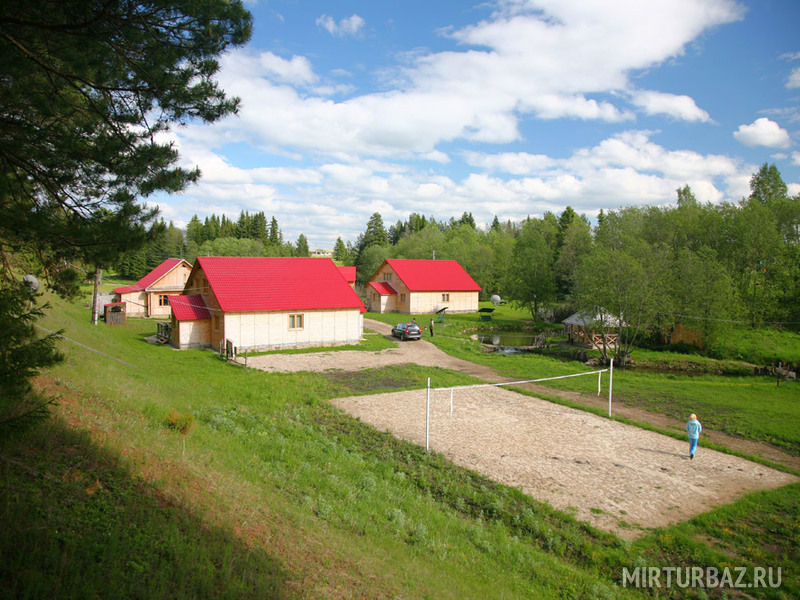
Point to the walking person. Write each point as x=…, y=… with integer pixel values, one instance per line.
x=430, y=326
x=693, y=428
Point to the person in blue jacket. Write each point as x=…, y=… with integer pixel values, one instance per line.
x=693, y=428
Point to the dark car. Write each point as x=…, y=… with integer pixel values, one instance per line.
x=407, y=331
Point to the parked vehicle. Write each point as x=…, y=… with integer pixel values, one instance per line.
x=407, y=331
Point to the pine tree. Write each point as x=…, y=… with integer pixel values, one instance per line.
x=86, y=89
x=340, y=253
x=302, y=246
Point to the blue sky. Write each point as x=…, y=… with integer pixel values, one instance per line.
x=508, y=107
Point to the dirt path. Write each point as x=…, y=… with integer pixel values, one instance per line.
x=425, y=353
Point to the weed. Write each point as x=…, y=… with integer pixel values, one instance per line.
x=182, y=423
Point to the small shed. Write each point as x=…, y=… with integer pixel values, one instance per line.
x=191, y=322
x=114, y=313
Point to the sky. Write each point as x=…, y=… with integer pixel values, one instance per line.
x=507, y=108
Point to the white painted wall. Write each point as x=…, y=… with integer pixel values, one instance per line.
x=430, y=302
x=191, y=334
x=270, y=330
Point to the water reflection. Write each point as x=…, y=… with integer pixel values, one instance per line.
x=508, y=339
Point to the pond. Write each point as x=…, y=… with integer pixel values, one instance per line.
x=507, y=338
x=510, y=342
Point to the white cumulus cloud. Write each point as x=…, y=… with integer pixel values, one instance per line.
x=297, y=70
x=679, y=107
x=763, y=132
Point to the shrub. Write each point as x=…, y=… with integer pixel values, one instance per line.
x=178, y=422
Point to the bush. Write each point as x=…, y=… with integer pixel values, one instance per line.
x=178, y=422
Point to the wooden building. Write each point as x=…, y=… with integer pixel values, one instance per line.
x=264, y=303
x=149, y=297
x=422, y=287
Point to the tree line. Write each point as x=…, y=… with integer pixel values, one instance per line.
x=705, y=267
x=250, y=235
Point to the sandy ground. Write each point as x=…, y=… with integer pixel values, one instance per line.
x=615, y=476
x=417, y=351
x=605, y=472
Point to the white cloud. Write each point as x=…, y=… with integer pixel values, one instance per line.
x=348, y=26
x=537, y=59
x=363, y=152
x=515, y=163
x=679, y=107
x=763, y=132
x=796, y=158
x=623, y=170
x=794, y=79
x=296, y=71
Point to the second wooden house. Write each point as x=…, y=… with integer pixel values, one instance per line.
x=421, y=287
x=149, y=297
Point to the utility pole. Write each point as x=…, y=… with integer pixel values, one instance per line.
x=98, y=280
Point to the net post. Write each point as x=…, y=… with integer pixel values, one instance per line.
x=610, y=384
x=428, y=415
x=599, y=382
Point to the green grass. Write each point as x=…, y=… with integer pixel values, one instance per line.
x=76, y=524
x=761, y=346
x=762, y=530
x=274, y=493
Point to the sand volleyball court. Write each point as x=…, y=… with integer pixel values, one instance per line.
x=618, y=477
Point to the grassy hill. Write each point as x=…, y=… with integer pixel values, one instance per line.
x=168, y=474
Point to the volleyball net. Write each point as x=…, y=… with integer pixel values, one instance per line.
x=453, y=391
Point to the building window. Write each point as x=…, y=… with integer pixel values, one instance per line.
x=387, y=276
x=163, y=300
x=445, y=297
x=403, y=298
x=295, y=321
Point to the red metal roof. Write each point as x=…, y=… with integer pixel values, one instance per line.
x=243, y=284
x=189, y=308
x=152, y=277
x=382, y=287
x=134, y=287
x=349, y=273
x=433, y=275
